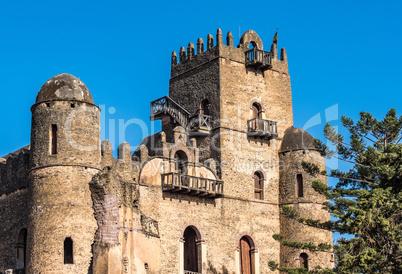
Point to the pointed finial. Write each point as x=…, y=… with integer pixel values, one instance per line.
x=200, y=45
x=190, y=50
x=182, y=54
x=229, y=39
x=219, y=39
x=174, y=58
x=210, y=41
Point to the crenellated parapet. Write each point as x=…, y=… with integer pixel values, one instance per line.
x=194, y=58
x=14, y=170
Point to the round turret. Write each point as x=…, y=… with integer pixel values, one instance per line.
x=65, y=155
x=64, y=86
x=296, y=191
x=297, y=139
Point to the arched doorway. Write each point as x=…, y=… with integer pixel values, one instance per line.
x=22, y=249
x=192, y=258
x=180, y=158
x=246, y=260
x=304, y=260
x=204, y=109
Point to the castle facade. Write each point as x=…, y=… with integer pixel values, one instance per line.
x=204, y=195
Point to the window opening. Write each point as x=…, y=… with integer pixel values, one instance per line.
x=304, y=260
x=181, y=161
x=299, y=185
x=53, y=140
x=68, y=251
x=205, y=107
x=258, y=186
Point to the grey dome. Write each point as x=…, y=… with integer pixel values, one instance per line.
x=64, y=87
x=296, y=139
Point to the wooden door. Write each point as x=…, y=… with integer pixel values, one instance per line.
x=245, y=256
x=190, y=250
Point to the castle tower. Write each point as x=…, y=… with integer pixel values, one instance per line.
x=65, y=154
x=246, y=91
x=296, y=191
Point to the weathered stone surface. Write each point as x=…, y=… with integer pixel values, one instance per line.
x=129, y=215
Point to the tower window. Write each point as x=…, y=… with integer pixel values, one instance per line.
x=53, y=140
x=68, y=251
x=299, y=178
x=304, y=260
x=257, y=111
x=205, y=107
x=258, y=185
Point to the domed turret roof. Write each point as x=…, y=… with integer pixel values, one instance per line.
x=64, y=87
x=295, y=139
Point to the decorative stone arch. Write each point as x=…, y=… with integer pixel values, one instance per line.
x=297, y=255
x=253, y=253
x=198, y=246
x=257, y=101
x=252, y=37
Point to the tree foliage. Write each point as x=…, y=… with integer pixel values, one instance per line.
x=367, y=199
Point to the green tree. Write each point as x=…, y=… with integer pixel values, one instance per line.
x=367, y=199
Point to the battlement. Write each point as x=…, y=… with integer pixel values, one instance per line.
x=14, y=170
x=193, y=58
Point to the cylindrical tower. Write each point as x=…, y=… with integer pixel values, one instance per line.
x=65, y=155
x=296, y=191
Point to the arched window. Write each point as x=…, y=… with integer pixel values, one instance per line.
x=246, y=259
x=22, y=249
x=257, y=110
x=258, y=185
x=299, y=181
x=204, y=108
x=192, y=252
x=304, y=260
x=180, y=158
x=68, y=251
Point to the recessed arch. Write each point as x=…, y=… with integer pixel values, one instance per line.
x=205, y=107
x=258, y=179
x=192, y=253
x=68, y=250
x=21, y=249
x=304, y=260
x=181, y=161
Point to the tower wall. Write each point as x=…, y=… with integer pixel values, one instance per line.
x=309, y=206
x=60, y=202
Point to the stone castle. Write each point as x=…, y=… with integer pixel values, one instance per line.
x=204, y=195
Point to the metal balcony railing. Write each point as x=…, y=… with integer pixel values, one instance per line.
x=258, y=58
x=197, y=186
x=262, y=128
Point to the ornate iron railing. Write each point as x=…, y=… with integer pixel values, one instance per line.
x=261, y=127
x=174, y=181
x=256, y=57
x=166, y=105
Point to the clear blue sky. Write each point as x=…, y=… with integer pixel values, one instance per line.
x=340, y=52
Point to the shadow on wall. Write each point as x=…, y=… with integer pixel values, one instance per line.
x=213, y=270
